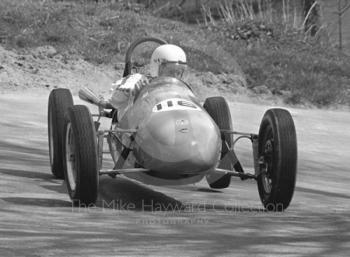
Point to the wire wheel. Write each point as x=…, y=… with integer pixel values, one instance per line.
x=80, y=151
x=70, y=158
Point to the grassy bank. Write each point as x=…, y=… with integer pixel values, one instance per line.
x=282, y=53
x=277, y=60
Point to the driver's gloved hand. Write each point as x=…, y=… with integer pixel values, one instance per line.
x=131, y=84
x=125, y=90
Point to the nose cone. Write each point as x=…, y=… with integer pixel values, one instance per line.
x=181, y=142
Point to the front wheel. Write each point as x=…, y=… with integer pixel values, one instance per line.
x=278, y=159
x=219, y=111
x=80, y=158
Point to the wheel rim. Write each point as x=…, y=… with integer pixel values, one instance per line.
x=50, y=138
x=267, y=157
x=71, y=158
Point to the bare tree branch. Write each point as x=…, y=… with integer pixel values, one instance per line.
x=309, y=13
x=345, y=8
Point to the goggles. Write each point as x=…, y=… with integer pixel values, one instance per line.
x=172, y=69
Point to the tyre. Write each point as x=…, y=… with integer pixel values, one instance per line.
x=277, y=149
x=219, y=111
x=80, y=162
x=59, y=101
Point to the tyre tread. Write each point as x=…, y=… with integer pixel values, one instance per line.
x=85, y=140
x=285, y=146
x=60, y=100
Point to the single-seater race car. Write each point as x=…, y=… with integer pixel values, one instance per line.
x=167, y=137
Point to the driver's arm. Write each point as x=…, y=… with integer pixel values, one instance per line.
x=125, y=88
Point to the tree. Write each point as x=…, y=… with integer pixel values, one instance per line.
x=343, y=6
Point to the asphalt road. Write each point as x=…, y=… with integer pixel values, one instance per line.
x=37, y=219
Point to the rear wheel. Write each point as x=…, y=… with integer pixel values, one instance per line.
x=59, y=101
x=80, y=162
x=278, y=159
x=219, y=111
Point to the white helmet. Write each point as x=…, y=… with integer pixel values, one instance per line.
x=168, y=60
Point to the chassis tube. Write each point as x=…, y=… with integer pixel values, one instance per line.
x=100, y=138
x=255, y=144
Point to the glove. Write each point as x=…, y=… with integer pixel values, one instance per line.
x=131, y=84
x=125, y=90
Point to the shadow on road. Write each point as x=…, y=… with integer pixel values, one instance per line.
x=208, y=190
x=117, y=194
x=120, y=192
x=28, y=174
x=322, y=193
x=40, y=202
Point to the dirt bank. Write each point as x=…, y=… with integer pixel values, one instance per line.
x=43, y=68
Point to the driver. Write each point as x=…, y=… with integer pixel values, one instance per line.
x=166, y=60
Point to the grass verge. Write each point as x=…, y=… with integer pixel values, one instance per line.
x=277, y=52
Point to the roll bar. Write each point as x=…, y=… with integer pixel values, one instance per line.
x=129, y=52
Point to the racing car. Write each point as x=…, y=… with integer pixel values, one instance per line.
x=167, y=137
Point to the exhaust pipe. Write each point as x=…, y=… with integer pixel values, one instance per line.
x=89, y=96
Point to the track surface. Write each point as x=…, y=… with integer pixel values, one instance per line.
x=37, y=219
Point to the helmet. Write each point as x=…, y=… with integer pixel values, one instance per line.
x=168, y=60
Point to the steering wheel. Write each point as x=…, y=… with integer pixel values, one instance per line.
x=129, y=52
